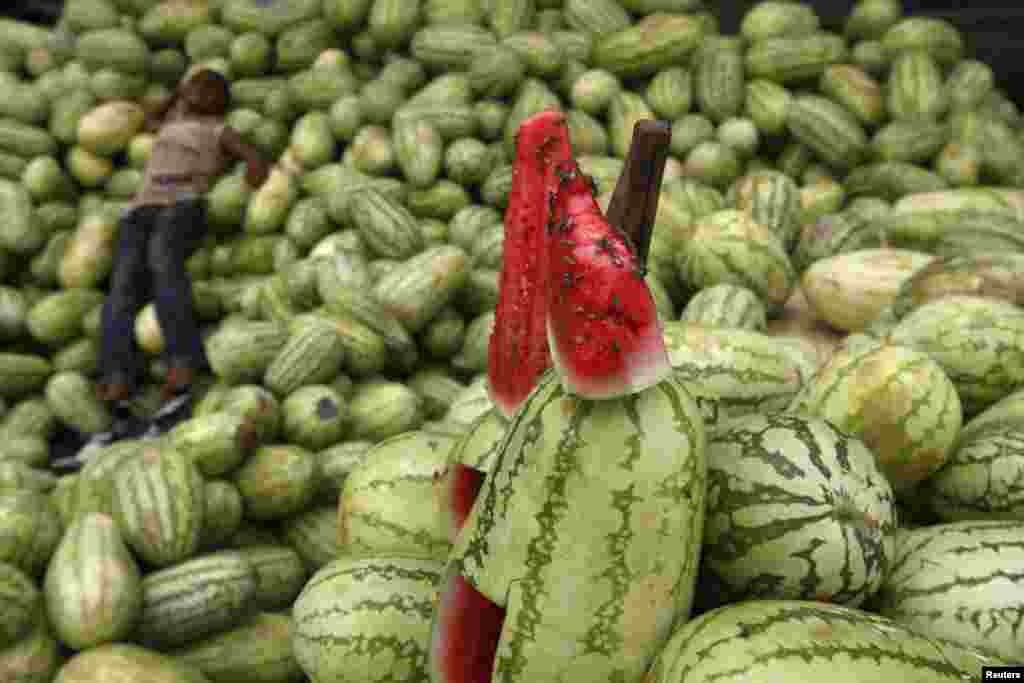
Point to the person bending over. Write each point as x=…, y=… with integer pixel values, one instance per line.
x=161, y=228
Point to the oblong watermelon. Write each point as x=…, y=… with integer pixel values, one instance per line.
x=962, y=581
x=587, y=531
x=795, y=640
x=979, y=342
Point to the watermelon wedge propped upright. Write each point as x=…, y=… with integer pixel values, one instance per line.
x=518, y=350
x=603, y=328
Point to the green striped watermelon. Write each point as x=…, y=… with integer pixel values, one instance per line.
x=796, y=510
x=260, y=406
x=194, y=599
x=223, y=512
x=391, y=504
x=277, y=481
x=366, y=620
x=729, y=246
x=216, y=442
x=978, y=342
x=992, y=275
x=1007, y=411
x=832, y=234
x=962, y=581
x=848, y=291
x=259, y=651
x=280, y=575
x=30, y=530
x=726, y=305
x=314, y=417
x=744, y=372
x=982, y=478
x=794, y=640
x=773, y=200
x=93, y=586
x=159, y=505
x=94, y=487
x=896, y=400
x=586, y=532
x=314, y=536
x=336, y=463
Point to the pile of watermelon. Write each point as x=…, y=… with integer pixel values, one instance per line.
x=445, y=440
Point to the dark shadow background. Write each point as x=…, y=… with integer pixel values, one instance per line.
x=990, y=28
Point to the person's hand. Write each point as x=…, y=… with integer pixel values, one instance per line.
x=256, y=173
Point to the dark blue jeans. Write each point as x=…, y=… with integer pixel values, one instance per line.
x=152, y=246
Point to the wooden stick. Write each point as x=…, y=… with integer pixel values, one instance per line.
x=634, y=203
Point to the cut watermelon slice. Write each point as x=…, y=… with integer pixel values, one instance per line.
x=518, y=352
x=464, y=486
x=603, y=329
x=466, y=631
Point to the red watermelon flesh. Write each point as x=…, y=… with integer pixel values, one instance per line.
x=518, y=351
x=467, y=628
x=464, y=484
x=603, y=328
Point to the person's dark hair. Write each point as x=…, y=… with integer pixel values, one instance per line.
x=215, y=87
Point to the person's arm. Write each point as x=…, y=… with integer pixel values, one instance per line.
x=256, y=169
